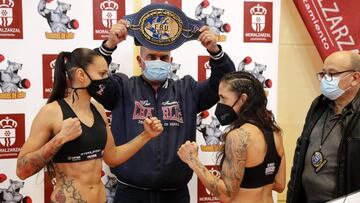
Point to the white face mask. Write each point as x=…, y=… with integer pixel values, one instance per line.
x=331, y=89
x=156, y=70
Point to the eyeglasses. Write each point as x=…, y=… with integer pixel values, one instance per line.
x=329, y=76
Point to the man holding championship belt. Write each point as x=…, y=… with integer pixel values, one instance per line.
x=155, y=173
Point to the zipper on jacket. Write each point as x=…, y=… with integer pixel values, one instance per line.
x=159, y=138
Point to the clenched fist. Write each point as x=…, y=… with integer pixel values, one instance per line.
x=153, y=127
x=188, y=152
x=117, y=34
x=208, y=39
x=70, y=129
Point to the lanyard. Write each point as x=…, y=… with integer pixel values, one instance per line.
x=323, y=129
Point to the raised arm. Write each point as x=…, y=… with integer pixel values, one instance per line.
x=116, y=155
x=220, y=64
x=227, y=186
x=118, y=33
x=40, y=148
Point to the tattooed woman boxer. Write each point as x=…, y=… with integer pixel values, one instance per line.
x=252, y=161
x=71, y=134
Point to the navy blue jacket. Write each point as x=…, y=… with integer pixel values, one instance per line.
x=176, y=104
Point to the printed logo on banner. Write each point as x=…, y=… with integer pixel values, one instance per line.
x=258, y=24
x=213, y=18
x=12, y=192
x=176, y=3
x=12, y=134
x=204, y=69
x=105, y=14
x=11, y=81
x=257, y=70
x=173, y=70
x=210, y=131
x=3, y=177
x=204, y=195
x=333, y=25
x=57, y=18
x=48, y=73
x=110, y=183
x=113, y=67
x=11, y=25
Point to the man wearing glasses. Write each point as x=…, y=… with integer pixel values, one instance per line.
x=327, y=156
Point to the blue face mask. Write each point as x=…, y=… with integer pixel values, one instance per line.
x=331, y=89
x=156, y=70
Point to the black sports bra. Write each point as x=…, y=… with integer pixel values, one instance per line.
x=89, y=145
x=265, y=172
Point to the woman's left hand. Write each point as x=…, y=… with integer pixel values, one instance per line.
x=188, y=152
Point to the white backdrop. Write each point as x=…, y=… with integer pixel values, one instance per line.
x=30, y=49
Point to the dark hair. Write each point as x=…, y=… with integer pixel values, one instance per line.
x=254, y=108
x=65, y=64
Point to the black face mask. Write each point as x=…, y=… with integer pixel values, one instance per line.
x=96, y=89
x=225, y=113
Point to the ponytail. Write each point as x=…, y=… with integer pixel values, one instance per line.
x=60, y=81
x=64, y=66
x=58, y=92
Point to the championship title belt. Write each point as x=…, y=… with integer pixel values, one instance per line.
x=162, y=27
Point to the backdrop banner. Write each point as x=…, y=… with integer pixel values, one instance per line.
x=32, y=35
x=332, y=24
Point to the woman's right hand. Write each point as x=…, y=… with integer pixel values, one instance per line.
x=153, y=127
x=70, y=129
x=188, y=152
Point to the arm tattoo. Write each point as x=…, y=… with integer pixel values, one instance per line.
x=60, y=196
x=34, y=162
x=233, y=168
x=213, y=184
x=192, y=153
x=67, y=190
x=234, y=164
